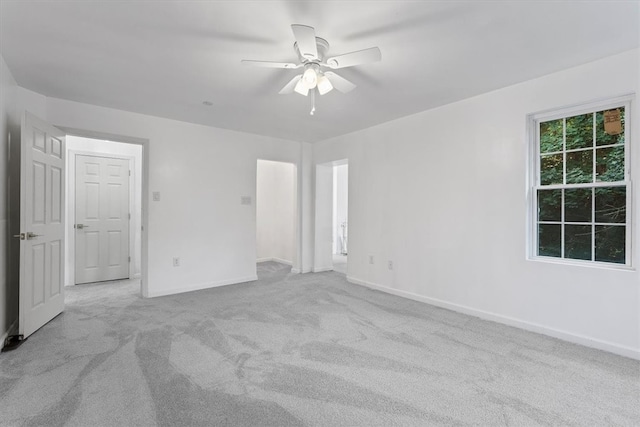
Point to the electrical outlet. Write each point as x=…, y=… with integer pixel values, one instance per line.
x=370, y=259
x=390, y=265
x=176, y=262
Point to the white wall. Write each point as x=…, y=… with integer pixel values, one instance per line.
x=9, y=127
x=80, y=145
x=201, y=174
x=443, y=194
x=276, y=211
x=323, y=218
x=340, y=205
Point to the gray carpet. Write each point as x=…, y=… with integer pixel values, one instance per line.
x=301, y=350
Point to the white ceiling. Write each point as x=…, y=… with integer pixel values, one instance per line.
x=165, y=58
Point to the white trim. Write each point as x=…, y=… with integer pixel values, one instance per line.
x=295, y=271
x=200, y=286
x=10, y=331
x=274, y=259
x=321, y=269
x=633, y=353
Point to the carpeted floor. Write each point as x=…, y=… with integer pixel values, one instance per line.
x=306, y=349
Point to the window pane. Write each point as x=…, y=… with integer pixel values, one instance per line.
x=580, y=167
x=551, y=136
x=551, y=169
x=610, y=243
x=577, y=204
x=602, y=138
x=610, y=164
x=580, y=131
x=577, y=241
x=611, y=204
x=550, y=205
x=549, y=240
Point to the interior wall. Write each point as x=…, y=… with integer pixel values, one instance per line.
x=275, y=211
x=201, y=174
x=9, y=135
x=443, y=194
x=323, y=236
x=76, y=144
x=340, y=204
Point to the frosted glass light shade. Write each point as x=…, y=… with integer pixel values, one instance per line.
x=324, y=85
x=301, y=88
x=310, y=78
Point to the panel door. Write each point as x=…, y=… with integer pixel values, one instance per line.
x=101, y=219
x=41, y=224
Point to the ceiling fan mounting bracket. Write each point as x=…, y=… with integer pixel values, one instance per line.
x=322, y=46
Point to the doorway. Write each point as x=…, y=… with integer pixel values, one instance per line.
x=340, y=235
x=104, y=210
x=331, y=217
x=276, y=213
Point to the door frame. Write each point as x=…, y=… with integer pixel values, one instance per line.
x=70, y=274
x=323, y=218
x=144, y=241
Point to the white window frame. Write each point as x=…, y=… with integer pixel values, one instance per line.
x=533, y=166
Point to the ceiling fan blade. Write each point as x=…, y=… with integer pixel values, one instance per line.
x=340, y=83
x=365, y=56
x=289, y=87
x=269, y=64
x=306, y=39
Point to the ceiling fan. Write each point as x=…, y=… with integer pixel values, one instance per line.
x=312, y=54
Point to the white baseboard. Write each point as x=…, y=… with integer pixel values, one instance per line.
x=12, y=330
x=321, y=269
x=275, y=259
x=295, y=271
x=621, y=350
x=200, y=286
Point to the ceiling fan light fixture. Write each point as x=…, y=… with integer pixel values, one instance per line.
x=310, y=76
x=324, y=85
x=301, y=88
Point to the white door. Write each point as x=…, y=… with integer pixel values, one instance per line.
x=102, y=219
x=41, y=224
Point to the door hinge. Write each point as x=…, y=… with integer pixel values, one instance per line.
x=129, y=216
x=129, y=172
x=129, y=259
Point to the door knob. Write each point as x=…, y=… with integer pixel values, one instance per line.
x=31, y=235
x=21, y=236
x=81, y=226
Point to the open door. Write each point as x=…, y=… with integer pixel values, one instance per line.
x=41, y=224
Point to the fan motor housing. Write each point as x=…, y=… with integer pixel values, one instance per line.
x=322, y=46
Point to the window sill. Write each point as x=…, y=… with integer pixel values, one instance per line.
x=578, y=263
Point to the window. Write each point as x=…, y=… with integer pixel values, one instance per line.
x=581, y=192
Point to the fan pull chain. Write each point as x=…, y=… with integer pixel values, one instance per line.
x=313, y=101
